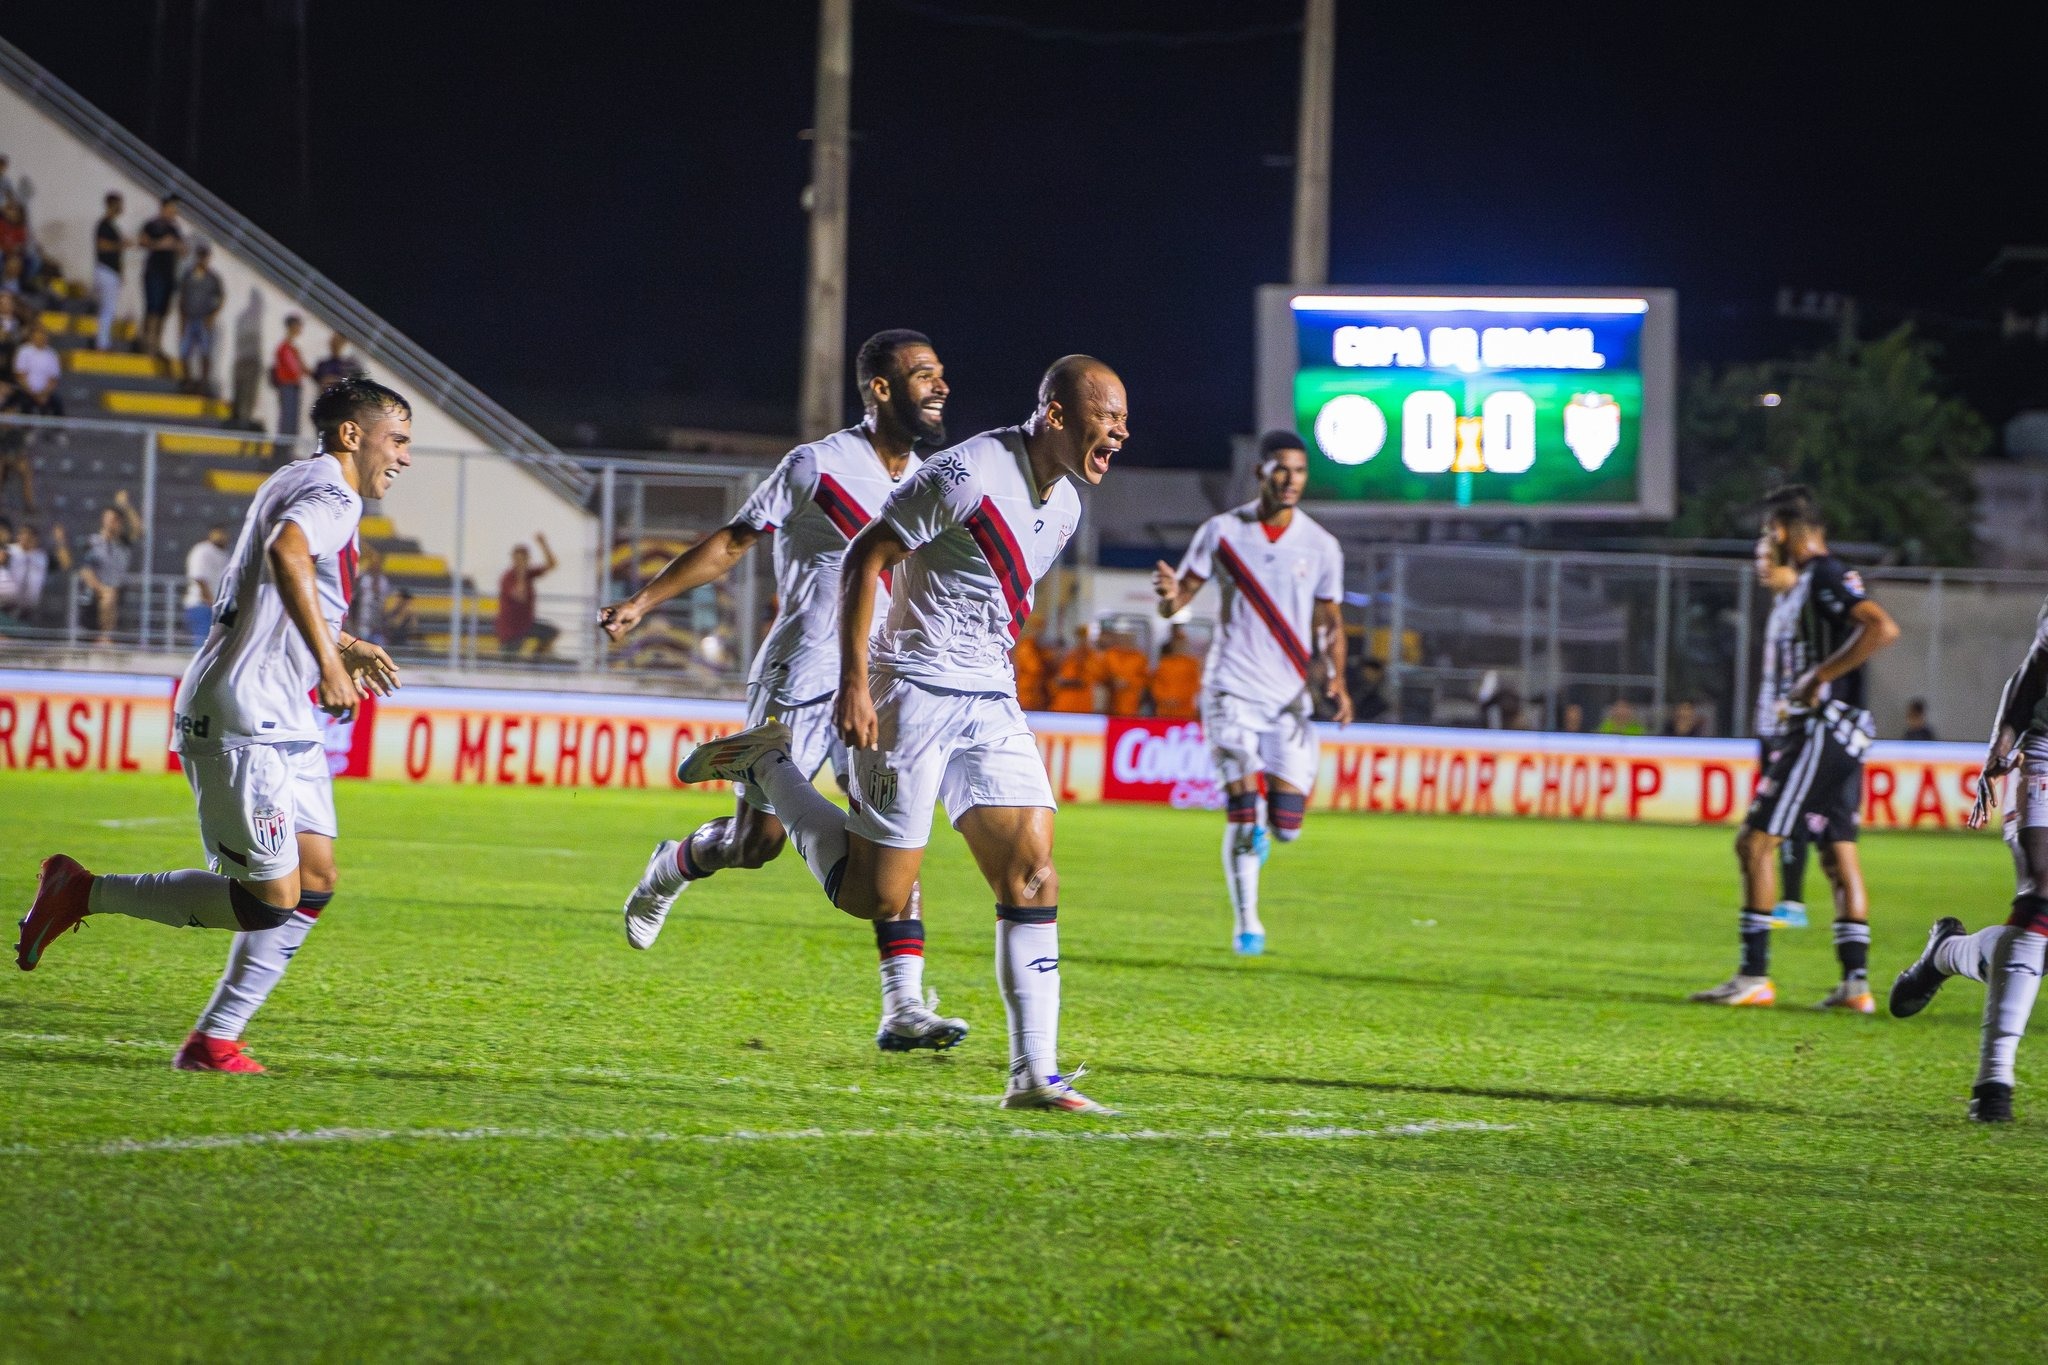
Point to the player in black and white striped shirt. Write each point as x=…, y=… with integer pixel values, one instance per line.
x=1825, y=628
x=2007, y=957
x=1774, y=729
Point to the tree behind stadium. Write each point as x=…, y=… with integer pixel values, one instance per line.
x=1867, y=423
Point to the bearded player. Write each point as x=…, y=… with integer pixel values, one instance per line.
x=246, y=731
x=967, y=537
x=2007, y=957
x=1283, y=588
x=1824, y=629
x=817, y=500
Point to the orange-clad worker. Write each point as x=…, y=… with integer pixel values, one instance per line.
x=1123, y=668
x=1073, y=682
x=1177, y=681
x=1028, y=658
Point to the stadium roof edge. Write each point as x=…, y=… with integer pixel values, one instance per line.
x=432, y=378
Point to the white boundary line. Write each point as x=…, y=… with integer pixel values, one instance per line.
x=297, y=1137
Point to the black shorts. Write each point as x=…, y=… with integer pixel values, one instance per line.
x=157, y=288
x=1813, y=785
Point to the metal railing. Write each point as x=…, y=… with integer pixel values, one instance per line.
x=427, y=376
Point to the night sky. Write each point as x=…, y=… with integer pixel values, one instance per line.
x=592, y=210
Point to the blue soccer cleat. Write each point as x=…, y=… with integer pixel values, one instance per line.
x=1250, y=945
x=1788, y=915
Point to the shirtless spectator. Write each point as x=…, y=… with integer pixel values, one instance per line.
x=517, y=622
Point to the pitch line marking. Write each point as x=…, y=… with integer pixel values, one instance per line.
x=296, y=1137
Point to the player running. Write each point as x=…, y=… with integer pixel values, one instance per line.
x=1824, y=629
x=1774, y=727
x=247, y=734
x=967, y=537
x=817, y=499
x=2007, y=957
x=1283, y=586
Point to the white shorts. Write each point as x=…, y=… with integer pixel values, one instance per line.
x=965, y=749
x=2026, y=805
x=1248, y=737
x=255, y=801
x=812, y=740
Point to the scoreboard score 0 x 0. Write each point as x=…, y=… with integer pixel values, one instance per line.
x=1476, y=402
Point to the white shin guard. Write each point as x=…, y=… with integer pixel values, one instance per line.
x=1028, y=972
x=816, y=826
x=186, y=899
x=2015, y=981
x=256, y=963
x=1241, y=875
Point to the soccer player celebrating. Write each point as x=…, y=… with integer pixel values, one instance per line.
x=246, y=731
x=2007, y=957
x=817, y=500
x=1773, y=726
x=967, y=537
x=1283, y=583
x=1824, y=629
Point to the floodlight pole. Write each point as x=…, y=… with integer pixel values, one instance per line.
x=1311, y=263
x=825, y=304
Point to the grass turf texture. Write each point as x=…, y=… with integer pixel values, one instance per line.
x=573, y=1176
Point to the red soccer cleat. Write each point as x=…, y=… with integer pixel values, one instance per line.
x=202, y=1053
x=60, y=904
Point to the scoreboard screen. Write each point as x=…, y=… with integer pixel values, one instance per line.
x=1475, y=402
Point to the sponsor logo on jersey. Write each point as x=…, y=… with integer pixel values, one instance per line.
x=196, y=726
x=270, y=827
x=880, y=789
x=951, y=471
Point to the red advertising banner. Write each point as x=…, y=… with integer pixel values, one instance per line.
x=94, y=722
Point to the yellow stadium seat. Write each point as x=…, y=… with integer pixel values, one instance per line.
x=124, y=364
x=241, y=482
x=131, y=403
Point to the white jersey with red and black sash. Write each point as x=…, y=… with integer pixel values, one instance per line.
x=252, y=680
x=1265, y=641
x=980, y=538
x=816, y=501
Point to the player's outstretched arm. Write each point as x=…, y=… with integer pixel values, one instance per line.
x=1875, y=631
x=1175, y=590
x=873, y=552
x=1329, y=624
x=291, y=568
x=709, y=560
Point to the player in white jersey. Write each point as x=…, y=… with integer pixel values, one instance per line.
x=816, y=500
x=1283, y=589
x=2008, y=957
x=247, y=733
x=967, y=537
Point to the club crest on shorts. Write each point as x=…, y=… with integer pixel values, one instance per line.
x=269, y=827
x=879, y=787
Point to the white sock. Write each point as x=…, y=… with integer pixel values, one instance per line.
x=256, y=963
x=1968, y=955
x=1241, y=875
x=666, y=878
x=1028, y=971
x=816, y=826
x=902, y=982
x=185, y=899
x=2015, y=981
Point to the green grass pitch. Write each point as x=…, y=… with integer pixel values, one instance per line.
x=1457, y=1112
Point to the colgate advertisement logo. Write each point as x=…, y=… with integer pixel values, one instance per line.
x=1161, y=761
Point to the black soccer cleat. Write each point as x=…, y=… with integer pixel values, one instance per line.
x=1921, y=982
x=1991, y=1102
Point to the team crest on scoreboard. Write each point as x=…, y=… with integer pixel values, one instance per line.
x=269, y=827
x=880, y=789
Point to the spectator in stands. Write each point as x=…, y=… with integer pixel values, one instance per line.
x=1027, y=660
x=14, y=461
x=338, y=365
x=1124, y=673
x=31, y=570
x=108, y=563
x=1572, y=721
x=200, y=297
x=108, y=244
x=163, y=245
x=401, y=622
x=288, y=375
x=7, y=187
x=516, y=602
x=14, y=236
x=36, y=372
x=1685, y=720
x=1073, y=681
x=15, y=281
x=372, y=591
x=1367, y=685
x=205, y=562
x=1621, y=719
x=1917, y=729
x=1177, y=678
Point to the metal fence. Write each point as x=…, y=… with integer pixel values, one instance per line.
x=1556, y=630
